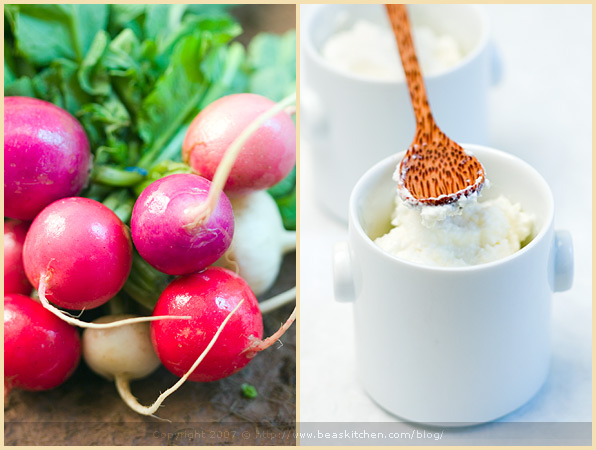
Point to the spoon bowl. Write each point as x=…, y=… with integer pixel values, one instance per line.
x=436, y=170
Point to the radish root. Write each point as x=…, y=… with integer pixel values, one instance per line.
x=259, y=345
x=123, y=383
x=203, y=211
x=67, y=317
x=278, y=300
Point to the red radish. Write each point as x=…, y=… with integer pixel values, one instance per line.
x=123, y=380
x=207, y=297
x=222, y=336
x=163, y=230
x=46, y=156
x=15, y=280
x=40, y=350
x=80, y=251
x=265, y=158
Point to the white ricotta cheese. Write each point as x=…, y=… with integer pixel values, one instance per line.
x=370, y=50
x=470, y=233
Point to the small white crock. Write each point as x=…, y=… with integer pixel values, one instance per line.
x=351, y=122
x=452, y=346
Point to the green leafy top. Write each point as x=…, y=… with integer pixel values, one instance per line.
x=135, y=75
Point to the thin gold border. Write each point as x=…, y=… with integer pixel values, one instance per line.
x=298, y=330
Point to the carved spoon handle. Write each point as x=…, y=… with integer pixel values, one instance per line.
x=401, y=27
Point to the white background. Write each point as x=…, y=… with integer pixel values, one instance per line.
x=542, y=112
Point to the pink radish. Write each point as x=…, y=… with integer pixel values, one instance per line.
x=163, y=230
x=40, y=350
x=15, y=280
x=80, y=252
x=182, y=223
x=207, y=297
x=46, y=156
x=265, y=158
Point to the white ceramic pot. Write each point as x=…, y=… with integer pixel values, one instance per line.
x=351, y=122
x=452, y=346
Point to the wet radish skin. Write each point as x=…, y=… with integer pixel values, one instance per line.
x=208, y=297
x=15, y=279
x=86, y=248
x=160, y=215
x=46, y=156
x=266, y=157
x=40, y=350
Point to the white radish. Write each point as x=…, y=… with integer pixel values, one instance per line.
x=260, y=241
x=124, y=352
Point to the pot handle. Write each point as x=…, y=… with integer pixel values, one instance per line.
x=343, y=280
x=313, y=116
x=563, y=261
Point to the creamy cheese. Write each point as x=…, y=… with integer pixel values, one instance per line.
x=370, y=50
x=470, y=233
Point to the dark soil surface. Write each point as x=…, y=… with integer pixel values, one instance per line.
x=86, y=410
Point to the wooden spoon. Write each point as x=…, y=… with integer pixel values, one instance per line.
x=435, y=169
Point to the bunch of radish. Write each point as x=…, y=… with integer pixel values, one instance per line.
x=77, y=253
